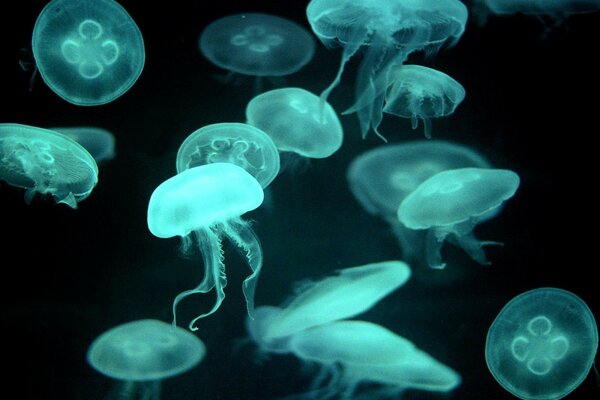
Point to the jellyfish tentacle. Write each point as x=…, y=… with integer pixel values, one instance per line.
x=434, y=239
x=474, y=247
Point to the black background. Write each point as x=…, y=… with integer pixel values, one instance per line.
x=68, y=275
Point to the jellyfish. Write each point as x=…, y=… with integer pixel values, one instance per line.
x=256, y=44
x=203, y=205
x=236, y=143
x=451, y=203
x=388, y=31
x=542, y=344
x=419, y=92
x=382, y=177
x=141, y=354
x=297, y=121
x=89, y=52
x=99, y=142
x=46, y=162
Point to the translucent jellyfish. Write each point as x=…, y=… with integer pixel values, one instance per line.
x=89, y=52
x=389, y=31
x=141, y=354
x=257, y=44
x=451, y=203
x=542, y=344
x=203, y=205
x=555, y=9
x=99, y=142
x=240, y=144
x=297, y=121
x=46, y=162
x=419, y=92
x=382, y=177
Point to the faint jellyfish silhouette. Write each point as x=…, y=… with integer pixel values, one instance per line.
x=203, y=205
x=141, y=354
x=89, y=52
x=241, y=144
x=382, y=177
x=389, y=31
x=451, y=203
x=99, y=142
x=255, y=44
x=46, y=162
x=542, y=344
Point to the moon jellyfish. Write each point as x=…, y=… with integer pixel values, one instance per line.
x=542, y=344
x=240, y=144
x=555, y=9
x=203, y=205
x=297, y=121
x=89, y=52
x=141, y=354
x=419, y=92
x=46, y=162
x=388, y=31
x=99, y=142
x=451, y=203
x=382, y=177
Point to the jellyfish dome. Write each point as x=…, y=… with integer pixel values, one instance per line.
x=99, y=142
x=203, y=205
x=241, y=144
x=46, y=162
x=297, y=121
x=257, y=44
x=453, y=202
x=542, y=344
x=89, y=52
x=541, y=7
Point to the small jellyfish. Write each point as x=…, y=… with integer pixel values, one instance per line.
x=389, y=31
x=203, y=205
x=255, y=44
x=382, y=177
x=542, y=344
x=451, y=203
x=236, y=143
x=46, y=162
x=297, y=121
x=99, y=142
x=141, y=354
x=89, y=52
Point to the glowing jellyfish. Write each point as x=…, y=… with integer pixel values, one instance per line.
x=542, y=344
x=240, y=144
x=297, y=121
x=257, y=44
x=203, y=205
x=140, y=354
x=99, y=142
x=46, y=162
x=388, y=31
x=451, y=203
x=556, y=9
x=382, y=177
x=89, y=52
x=419, y=92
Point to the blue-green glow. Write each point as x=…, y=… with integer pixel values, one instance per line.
x=542, y=344
x=99, y=142
x=202, y=205
x=89, y=52
x=46, y=162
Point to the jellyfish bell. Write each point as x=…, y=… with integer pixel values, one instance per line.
x=99, y=142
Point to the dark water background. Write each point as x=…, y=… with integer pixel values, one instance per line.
x=68, y=275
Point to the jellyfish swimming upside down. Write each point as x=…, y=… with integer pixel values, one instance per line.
x=202, y=205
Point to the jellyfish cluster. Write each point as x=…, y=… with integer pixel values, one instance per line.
x=316, y=200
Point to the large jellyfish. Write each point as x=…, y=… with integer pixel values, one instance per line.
x=202, y=205
x=98, y=141
x=542, y=344
x=389, y=31
x=451, y=203
x=46, y=162
x=241, y=144
x=89, y=52
x=141, y=354
x=382, y=177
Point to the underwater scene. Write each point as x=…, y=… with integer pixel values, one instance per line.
x=300, y=200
